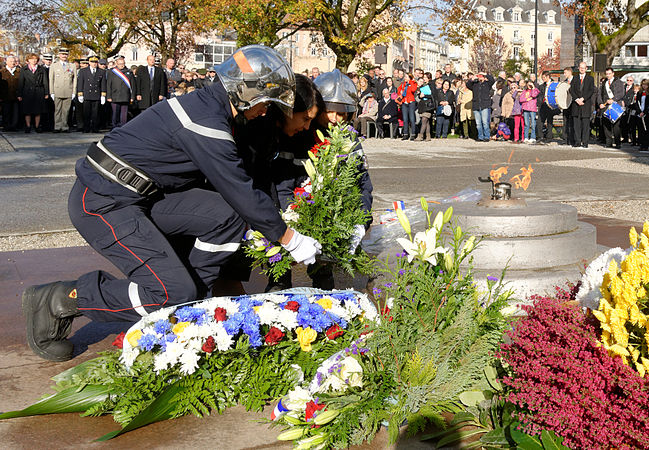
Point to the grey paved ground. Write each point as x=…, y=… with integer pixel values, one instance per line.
x=37, y=171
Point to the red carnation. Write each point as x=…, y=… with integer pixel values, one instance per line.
x=209, y=345
x=334, y=331
x=119, y=340
x=299, y=191
x=311, y=408
x=220, y=314
x=274, y=336
x=293, y=205
x=386, y=313
x=292, y=305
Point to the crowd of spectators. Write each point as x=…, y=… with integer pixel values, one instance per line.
x=424, y=106
x=49, y=93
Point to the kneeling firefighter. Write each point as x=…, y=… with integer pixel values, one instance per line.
x=338, y=104
x=166, y=199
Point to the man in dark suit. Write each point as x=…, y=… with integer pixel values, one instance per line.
x=387, y=114
x=582, y=89
x=91, y=92
x=151, y=84
x=210, y=79
x=119, y=91
x=612, y=90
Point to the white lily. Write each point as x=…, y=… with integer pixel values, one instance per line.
x=423, y=246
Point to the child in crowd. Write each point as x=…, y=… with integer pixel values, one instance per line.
x=529, y=106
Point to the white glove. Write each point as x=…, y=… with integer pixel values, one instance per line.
x=359, y=232
x=52, y=97
x=103, y=100
x=80, y=98
x=303, y=249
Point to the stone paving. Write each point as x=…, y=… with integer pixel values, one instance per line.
x=35, y=180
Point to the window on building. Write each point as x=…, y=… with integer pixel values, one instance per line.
x=134, y=53
x=499, y=32
x=517, y=52
x=550, y=36
x=499, y=16
x=549, y=17
x=211, y=54
x=516, y=17
x=532, y=53
x=314, y=51
x=550, y=52
x=481, y=15
x=641, y=51
x=532, y=36
x=517, y=34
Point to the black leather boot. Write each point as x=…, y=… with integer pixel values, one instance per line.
x=49, y=310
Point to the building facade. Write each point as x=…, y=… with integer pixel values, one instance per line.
x=514, y=20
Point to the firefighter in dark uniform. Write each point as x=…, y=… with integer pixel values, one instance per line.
x=337, y=103
x=91, y=92
x=169, y=176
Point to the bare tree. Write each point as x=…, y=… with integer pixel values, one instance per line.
x=488, y=53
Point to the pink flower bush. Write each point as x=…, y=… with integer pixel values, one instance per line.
x=562, y=380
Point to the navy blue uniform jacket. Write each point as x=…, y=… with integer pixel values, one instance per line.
x=183, y=142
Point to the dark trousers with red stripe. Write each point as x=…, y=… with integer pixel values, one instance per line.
x=170, y=250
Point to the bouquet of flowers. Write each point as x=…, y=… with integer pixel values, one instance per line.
x=211, y=355
x=326, y=207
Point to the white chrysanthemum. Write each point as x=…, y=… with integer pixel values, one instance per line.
x=368, y=307
x=128, y=355
x=225, y=303
x=223, y=340
x=589, y=292
x=189, y=362
x=274, y=298
x=341, y=312
x=290, y=215
x=351, y=372
x=160, y=363
x=173, y=352
x=297, y=399
x=286, y=320
x=160, y=314
x=267, y=313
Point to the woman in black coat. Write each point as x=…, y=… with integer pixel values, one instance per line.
x=33, y=90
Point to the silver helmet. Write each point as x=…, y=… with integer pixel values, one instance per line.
x=257, y=74
x=338, y=91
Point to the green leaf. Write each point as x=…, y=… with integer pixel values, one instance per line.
x=471, y=398
x=524, y=441
x=161, y=408
x=550, y=441
x=430, y=437
x=457, y=437
x=67, y=401
x=492, y=378
x=463, y=416
x=495, y=437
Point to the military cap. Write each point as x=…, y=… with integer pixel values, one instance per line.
x=47, y=56
x=93, y=59
x=103, y=61
x=64, y=51
x=201, y=71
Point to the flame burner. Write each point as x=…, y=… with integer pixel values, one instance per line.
x=501, y=196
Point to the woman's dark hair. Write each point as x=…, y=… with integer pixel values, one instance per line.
x=446, y=82
x=305, y=98
x=429, y=75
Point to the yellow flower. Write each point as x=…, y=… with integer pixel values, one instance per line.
x=633, y=237
x=305, y=337
x=618, y=350
x=640, y=368
x=325, y=302
x=600, y=316
x=133, y=337
x=645, y=361
x=180, y=327
x=256, y=308
x=645, y=228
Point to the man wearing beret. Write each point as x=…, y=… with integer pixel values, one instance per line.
x=91, y=92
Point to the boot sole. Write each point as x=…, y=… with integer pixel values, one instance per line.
x=28, y=312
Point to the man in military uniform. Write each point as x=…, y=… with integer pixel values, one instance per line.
x=63, y=81
x=91, y=92
x=166, y=199
x=47, y=118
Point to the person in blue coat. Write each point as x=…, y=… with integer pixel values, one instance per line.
x=166, y=199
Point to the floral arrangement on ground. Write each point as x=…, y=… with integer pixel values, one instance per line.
x=428, y=352
x=326, y=207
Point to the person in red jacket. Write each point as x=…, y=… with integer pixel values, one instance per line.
x=406, y=95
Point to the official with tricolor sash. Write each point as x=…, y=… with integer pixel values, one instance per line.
x=119, y=91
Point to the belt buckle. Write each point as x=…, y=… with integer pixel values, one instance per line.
x=125, y=174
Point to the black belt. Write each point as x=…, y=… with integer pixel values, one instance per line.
x=114, y=168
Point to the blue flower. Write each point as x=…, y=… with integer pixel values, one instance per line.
x=402, y=272
x=233, y=324
x=491, y=278
x=388, y=285
x=377, y=291
x=162, y=326
x=190, y=314
x=277, y=257
x=402, y=255
x=147, y=342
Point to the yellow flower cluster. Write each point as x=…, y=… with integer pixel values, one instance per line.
x=623, y=310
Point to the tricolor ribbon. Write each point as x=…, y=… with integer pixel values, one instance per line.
x=279, y=411
x=123, y=77
x=400, y=204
